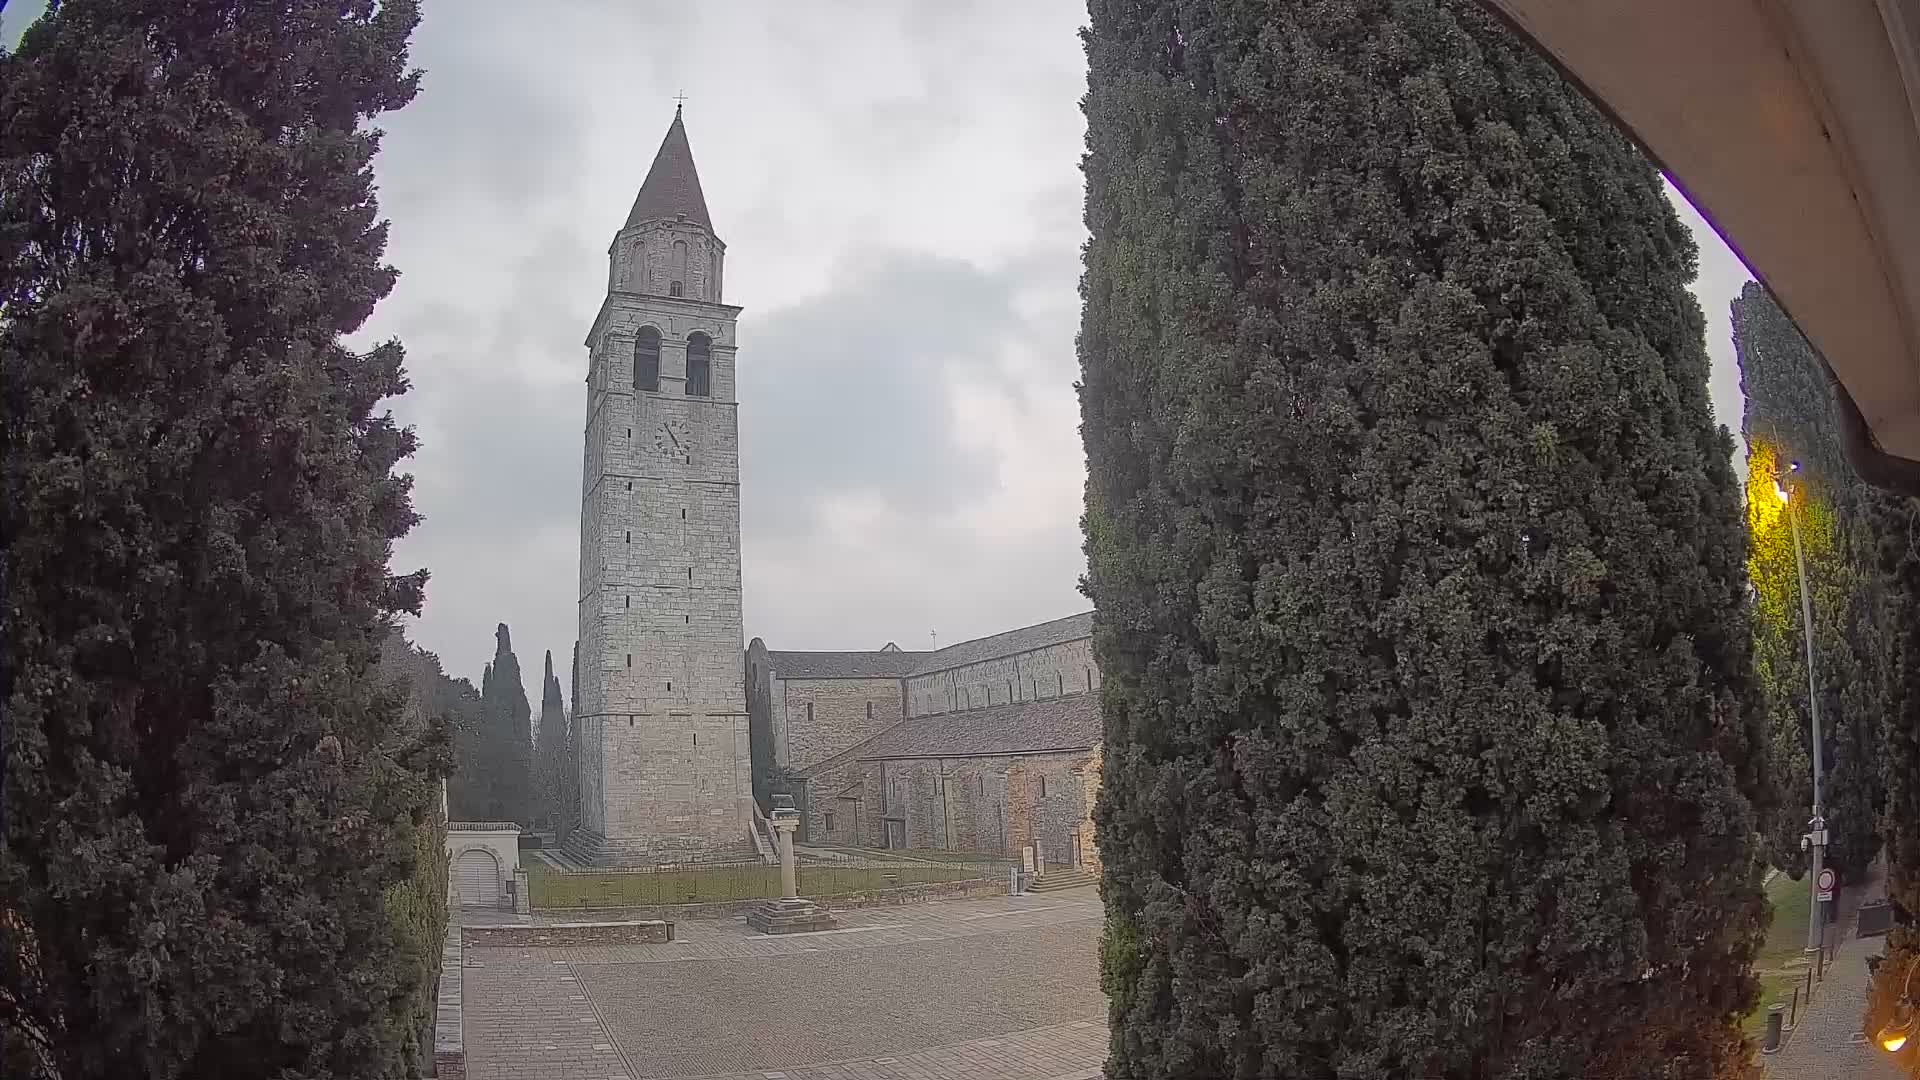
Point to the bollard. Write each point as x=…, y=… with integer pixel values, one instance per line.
x=1774, y=1016
x=1793, y=1014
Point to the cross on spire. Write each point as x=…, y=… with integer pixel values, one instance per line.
x=679, y=99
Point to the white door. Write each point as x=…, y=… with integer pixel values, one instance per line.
x=477, y=878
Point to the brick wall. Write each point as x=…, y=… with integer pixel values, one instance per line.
x=989, y=805
x=814, y=719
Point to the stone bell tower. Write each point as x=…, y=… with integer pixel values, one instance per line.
x=662, y=716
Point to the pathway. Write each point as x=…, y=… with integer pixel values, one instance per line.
x=999, y=989
x=1827, y=1042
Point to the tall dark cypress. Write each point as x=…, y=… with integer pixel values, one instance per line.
x=1897, y=523
x=507, y=745
x=1790, y=418
x=210, y=788
x=549, y=753
x=570, y=774
x=1431, y=740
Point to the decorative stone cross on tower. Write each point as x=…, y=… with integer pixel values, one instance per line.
x=790, y=914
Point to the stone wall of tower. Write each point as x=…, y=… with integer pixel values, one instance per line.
x=666, y=770
x=643, y=260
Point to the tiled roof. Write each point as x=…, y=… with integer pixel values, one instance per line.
x=892, y=663
x=1024, y=727
x=672, y=185
x=842, y=665
x=1025, y=639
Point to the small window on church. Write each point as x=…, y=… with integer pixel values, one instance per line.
x=669, y=686
x=629, y=659
x=829, y=821
x=675, y=289
x=629, y=536
x=646, y=361
x=629, y=600
x=1043, y=787
x=699, y=366
x=809, y=712
x=1060, y=684
x=869, y=710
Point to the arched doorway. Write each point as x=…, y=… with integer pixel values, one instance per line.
x=476, y=876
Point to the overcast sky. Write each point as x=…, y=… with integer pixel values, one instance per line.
x=898, y=187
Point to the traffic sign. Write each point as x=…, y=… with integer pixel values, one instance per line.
x=1823, y=885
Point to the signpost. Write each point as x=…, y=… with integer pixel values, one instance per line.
x=1824, y=884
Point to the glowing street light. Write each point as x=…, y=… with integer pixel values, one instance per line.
x=1816, y=839
x=1893, y=1036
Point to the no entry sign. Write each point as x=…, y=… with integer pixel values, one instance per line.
x=1823, y=885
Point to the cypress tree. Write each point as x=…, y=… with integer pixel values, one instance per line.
x=210, y=789
x=550, y=751
x=1897, y=523
x=1790, y=418
x=1431, y=740
x=570, y=775
x=507, y=746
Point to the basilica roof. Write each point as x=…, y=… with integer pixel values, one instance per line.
x=1025, y=639
x=877, y=664
x=672, y=186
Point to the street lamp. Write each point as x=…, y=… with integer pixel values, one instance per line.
x=1816, y=839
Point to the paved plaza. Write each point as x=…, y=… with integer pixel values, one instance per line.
x=998, y=989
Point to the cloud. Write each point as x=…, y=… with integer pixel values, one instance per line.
x=899, y=190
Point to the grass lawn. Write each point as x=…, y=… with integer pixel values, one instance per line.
x=550, y=889
x=1792, y=902
x=1787, y=938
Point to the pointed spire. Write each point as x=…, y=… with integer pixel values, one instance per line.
x=672, y=186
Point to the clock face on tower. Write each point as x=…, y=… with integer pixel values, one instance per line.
x=670, y=439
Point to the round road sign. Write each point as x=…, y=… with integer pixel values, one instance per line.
x=1826, y=879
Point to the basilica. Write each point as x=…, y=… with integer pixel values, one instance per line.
x=988, y=746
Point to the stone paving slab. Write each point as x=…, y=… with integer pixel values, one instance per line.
x=1828, y=1043
x=1002, y=989
x=1059, y=1052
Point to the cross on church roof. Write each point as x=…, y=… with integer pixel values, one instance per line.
x=679, y=99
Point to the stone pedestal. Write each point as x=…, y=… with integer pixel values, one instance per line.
x=790, y=914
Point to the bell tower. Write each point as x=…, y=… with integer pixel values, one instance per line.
x=662, y=715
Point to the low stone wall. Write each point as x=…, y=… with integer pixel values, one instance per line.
x=624, y=932
x=449, y=1041
x=900, y=894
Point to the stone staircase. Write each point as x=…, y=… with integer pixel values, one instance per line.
x=1061, y=878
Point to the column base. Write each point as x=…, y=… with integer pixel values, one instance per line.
x=793, y=915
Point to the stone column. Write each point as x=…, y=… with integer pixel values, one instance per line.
x=790, y=914
x=784, y=826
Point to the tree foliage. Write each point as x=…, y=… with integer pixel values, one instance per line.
x=1896, y=523
x=494, y=757
x=1790, y=422
x=1432, y=747
x=550, y=754
x=210, y=790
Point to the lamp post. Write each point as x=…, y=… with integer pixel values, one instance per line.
x=1816, y=838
